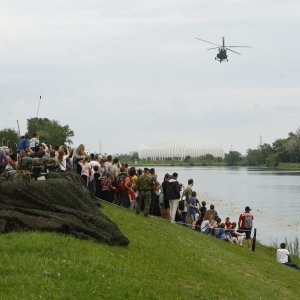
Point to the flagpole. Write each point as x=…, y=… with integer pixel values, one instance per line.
x=37, y=114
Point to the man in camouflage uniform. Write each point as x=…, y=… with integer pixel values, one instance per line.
x=144, y=186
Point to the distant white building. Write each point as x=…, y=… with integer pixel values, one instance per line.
x=178, y=150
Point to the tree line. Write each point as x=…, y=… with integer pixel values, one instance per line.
x=284, y=150
x=49, y=131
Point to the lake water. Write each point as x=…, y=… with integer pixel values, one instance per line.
x=274, y=196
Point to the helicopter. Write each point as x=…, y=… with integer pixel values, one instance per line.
x=222, y=55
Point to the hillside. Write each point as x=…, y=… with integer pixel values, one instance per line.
x=162, y=261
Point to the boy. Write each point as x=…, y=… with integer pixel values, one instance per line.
x=227, y=223
x=193, y=209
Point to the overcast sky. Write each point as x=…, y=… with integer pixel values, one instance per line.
x=131, y=72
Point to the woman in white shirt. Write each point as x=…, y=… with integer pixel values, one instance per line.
x=62, y=159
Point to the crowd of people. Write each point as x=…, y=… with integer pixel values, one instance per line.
x=132, y=188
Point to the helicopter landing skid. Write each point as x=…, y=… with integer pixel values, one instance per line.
x=220, y=60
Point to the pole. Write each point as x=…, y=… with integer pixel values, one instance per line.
x=2, y=141
x=18, y=127
x=37, y=113
x=254, y=240
x=7, y=143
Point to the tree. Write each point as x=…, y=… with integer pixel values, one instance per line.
x=257, y=157
x=272, y=160
x=254, y=157
x=50, y=131
x=9, y=137
x=288, y=149
x=135, y=156
x=208, y=157
x=187, y=158
x=233, y=158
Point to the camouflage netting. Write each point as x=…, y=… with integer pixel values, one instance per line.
x=61, y=203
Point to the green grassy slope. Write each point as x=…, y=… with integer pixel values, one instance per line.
x=163, y=261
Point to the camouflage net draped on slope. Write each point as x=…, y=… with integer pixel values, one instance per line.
x=59, y=204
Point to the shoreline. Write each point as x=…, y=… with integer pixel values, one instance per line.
x=281, y=166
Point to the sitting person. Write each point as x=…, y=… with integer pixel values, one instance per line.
x=205, y=227
x=221, y=235
x=227, y=222
x=38, y=152
x=283, y=256
x=210, y=227
x=239, y=236
x=215, y=224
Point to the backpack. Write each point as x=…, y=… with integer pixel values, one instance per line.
x=248, y=221
x=181, y=203
x=121, y=182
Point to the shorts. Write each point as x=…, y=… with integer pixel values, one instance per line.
x=193, y=217
x=247, y=231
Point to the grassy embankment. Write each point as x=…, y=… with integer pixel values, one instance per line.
x=163, y=261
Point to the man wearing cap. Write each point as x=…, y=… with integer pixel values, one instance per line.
x=245, y=225
x=144, y=186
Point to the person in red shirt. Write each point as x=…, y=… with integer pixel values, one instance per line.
x=245, y=225
x=227, y=223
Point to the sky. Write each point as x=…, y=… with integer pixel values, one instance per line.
x=122, y=73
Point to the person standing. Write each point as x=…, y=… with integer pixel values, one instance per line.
x=23, y=143
x=34, y=141
x=165, y=207
x=144, y=186
x=245, y=225
x=154, y=204
x=62, y=159
x=187, y=193
x=85, y=170
x=173, y=195
x=193, y=209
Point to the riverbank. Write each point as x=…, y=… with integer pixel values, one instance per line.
x=162, y=261
x=202, y=163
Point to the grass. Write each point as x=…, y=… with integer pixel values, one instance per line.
x=288, y=166
x=163, y=261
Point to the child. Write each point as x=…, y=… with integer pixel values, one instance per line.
x=193, y=209
x=227, y=223
x=221, y=234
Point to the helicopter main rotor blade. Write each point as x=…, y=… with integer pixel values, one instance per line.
x=233, y=51
x=213, y=48
x=209, y=42
x=239, y=46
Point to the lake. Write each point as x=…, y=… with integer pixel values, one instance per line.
x=273, y=196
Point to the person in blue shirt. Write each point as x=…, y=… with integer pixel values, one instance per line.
x=221, y=235
x=193, y=209
x=23, y=143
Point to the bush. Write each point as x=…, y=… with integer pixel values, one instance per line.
x=272, y=161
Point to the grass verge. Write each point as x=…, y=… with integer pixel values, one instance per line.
x=163, y=261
